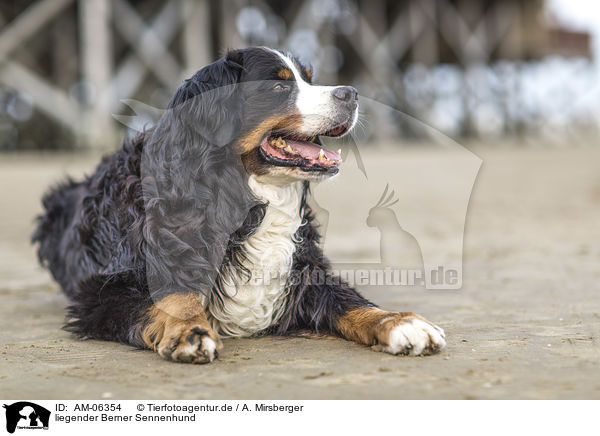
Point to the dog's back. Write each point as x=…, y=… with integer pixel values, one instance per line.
x=82, y=232
x=60, y=204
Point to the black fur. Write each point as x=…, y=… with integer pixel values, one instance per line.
x=169, y=212
x=317, y=298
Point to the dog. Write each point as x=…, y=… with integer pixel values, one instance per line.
x=199, y=228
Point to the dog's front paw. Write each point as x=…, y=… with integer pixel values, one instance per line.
x=184, y=342
x=409, y=334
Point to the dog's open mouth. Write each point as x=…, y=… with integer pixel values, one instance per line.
x=290, y=150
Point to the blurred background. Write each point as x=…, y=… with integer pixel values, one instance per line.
x=494, y=70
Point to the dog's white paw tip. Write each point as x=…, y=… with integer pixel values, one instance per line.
x=209, y=348
x=415, y=337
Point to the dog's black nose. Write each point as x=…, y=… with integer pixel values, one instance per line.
x=346, y=94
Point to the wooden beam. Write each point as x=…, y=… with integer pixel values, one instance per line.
x=27, y=23
x=382, y=64
x=131, y=72
x=64, y=63
x=425, y=42
x=96, y=60
x=302, y=19
x=48, y=98
x=146, y=44
x=196, y=35
x=229, y=36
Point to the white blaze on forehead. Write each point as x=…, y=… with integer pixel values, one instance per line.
x=315, y=103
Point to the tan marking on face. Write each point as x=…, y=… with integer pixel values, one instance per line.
x=308, y=73
x=370, y=325
x=291, y=121
x=284, y=74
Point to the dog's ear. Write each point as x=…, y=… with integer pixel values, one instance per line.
x=195, y=190
x=210, y=100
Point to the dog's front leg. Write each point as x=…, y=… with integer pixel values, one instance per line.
x=322, y=302
x=176, y=327
x=391, y=332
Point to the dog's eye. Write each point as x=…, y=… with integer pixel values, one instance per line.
x=280, y=87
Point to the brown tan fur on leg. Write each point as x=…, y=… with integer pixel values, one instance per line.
x=177, y=328
x=370, y=325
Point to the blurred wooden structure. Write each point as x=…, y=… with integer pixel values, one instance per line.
x=78, y=59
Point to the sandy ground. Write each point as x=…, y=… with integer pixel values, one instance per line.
x=526, y=323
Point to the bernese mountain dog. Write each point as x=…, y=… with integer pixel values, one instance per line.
x=199, y=228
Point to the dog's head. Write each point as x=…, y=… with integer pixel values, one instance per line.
x=261, y=102
x=254, y=111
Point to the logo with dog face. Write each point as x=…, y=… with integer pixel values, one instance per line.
x=26, y=415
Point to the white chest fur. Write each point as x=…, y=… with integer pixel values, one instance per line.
x=255, y=304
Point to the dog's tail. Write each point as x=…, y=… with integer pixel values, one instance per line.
x=60, y=205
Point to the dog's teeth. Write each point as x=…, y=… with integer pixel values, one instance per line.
x=290, y=149
x=321, y=154
x=279, y=142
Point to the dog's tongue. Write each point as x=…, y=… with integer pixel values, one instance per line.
x=313, y=152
